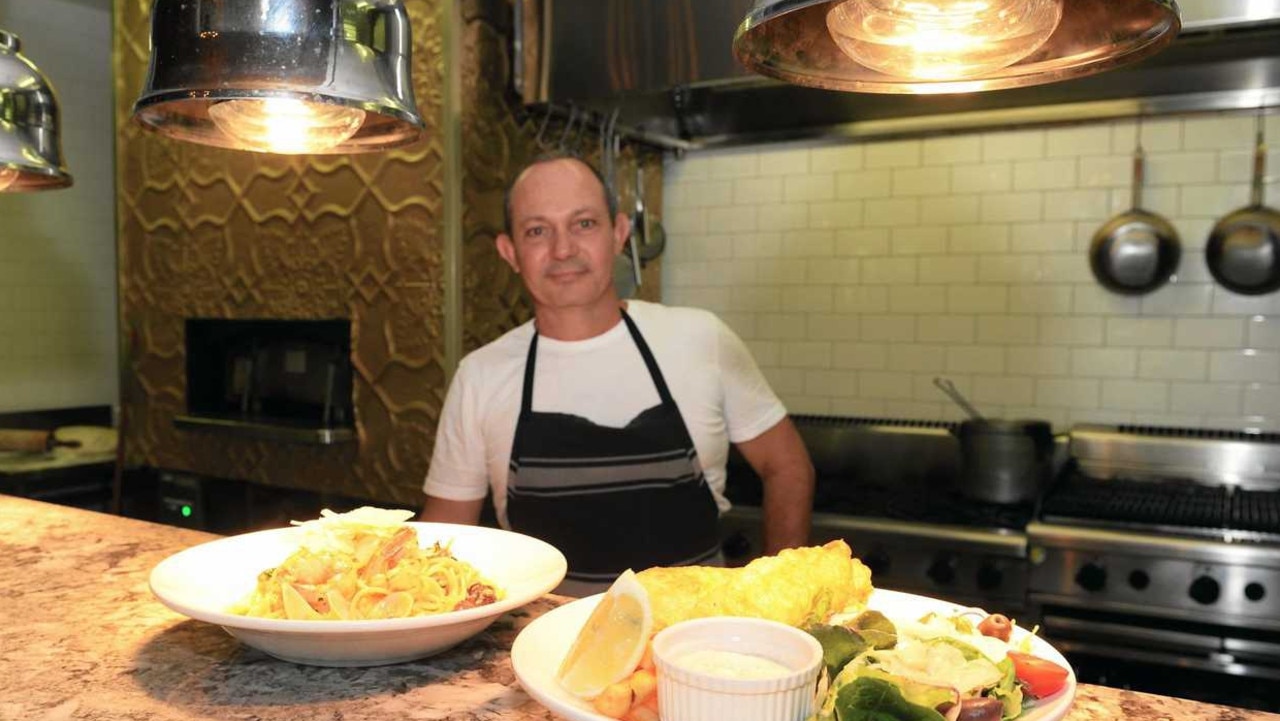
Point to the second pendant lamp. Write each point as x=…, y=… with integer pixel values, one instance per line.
x=948, y=46
x=30, y=145
x=281, y=76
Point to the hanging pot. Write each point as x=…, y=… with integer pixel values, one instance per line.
x=650, y=232
x=1136, y=251
x=626, y=274
x=1243, y=251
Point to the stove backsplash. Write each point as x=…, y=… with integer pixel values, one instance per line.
x=858, y=271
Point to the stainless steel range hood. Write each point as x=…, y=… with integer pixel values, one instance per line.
x=667, y=66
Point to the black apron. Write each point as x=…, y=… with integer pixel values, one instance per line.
x=611, y=498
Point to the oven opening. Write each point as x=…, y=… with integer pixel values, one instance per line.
x=288, y=380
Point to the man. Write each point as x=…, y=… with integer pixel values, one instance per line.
x=594, y=432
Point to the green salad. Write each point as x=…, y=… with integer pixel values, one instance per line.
x=935, y=668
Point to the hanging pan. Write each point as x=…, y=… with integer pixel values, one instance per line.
x=1243, y=251
x=1136, y=251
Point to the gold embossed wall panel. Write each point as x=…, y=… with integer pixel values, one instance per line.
x=205, y=232
x=498, y=138
x=494, y=143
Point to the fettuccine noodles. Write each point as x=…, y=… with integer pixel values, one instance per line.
x=366, y=564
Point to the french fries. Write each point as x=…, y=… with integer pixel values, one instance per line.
x=634, y=698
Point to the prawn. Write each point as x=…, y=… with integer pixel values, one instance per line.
x=310, y=568
x=388, y=554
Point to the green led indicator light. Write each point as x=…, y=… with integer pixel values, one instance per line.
x=186, y=511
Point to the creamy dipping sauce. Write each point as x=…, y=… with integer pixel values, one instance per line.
x=731, y=664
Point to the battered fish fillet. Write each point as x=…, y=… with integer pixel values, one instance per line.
x=796, y=587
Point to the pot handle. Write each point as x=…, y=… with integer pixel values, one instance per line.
x=1259, y=162
x=946, y=386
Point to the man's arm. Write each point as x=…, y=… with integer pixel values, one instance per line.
x=780, y=459
x=443, y=510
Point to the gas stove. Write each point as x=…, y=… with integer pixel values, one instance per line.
x=888, y=488
x=1168, y=522
x=918, y=503
x=1175, y=506
x=1152, y=561
x=1160, y=547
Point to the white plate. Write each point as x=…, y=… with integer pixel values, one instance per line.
x=538, y=650
x=203, y=581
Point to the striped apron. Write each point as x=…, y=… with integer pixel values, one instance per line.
x=611, y=498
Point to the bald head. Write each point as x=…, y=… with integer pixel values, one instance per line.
x=610, y=200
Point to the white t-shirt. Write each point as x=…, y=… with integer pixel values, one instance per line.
x=716, y=384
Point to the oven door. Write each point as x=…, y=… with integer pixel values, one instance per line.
x=1197, y=660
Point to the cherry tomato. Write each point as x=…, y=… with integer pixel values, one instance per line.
x=1041, y=677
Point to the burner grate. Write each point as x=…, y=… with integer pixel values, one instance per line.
x=1166, y=504
x=1213, y=434
x=919, y=503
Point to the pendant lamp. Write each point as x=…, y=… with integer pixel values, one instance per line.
x=30, y=148
x=948, y=46
x=281, y=76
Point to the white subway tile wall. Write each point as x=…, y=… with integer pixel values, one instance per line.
x=858, y=272
x=57, y=248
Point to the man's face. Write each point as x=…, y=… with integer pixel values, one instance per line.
x=562, y=241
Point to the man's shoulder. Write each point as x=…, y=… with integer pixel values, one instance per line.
x=510, y=347
x=675, y=316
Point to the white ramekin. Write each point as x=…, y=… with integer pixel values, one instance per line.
x=688, y=695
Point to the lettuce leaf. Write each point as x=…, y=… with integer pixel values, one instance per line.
x=877, y=699
x=875, y=628
x=938, y=661
x=841, y=644
x=1009, y=691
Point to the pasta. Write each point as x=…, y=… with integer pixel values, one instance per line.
x=366, y=564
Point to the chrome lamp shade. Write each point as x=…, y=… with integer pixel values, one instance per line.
x=283, y=76
x=828, y=43
x=30, y=148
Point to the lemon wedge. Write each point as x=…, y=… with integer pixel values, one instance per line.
x=610, y=644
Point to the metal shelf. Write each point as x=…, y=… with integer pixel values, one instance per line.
x=266, y=430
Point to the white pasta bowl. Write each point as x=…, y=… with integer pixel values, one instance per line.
x=203, y=582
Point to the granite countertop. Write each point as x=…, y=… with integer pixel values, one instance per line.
x=81, y=637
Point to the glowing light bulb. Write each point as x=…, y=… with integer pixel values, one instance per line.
x=941, y=39
x=7, y=178
x=283, y=125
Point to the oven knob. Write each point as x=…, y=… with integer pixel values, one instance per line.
x=877, y=562
x=1204, y=590
x=1139, y=580
x=989, y=577
x=1254, y=591
x=943, y=569
x=1091, y=577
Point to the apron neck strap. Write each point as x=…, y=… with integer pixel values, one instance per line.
x=526, y=397
x=654, y=372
